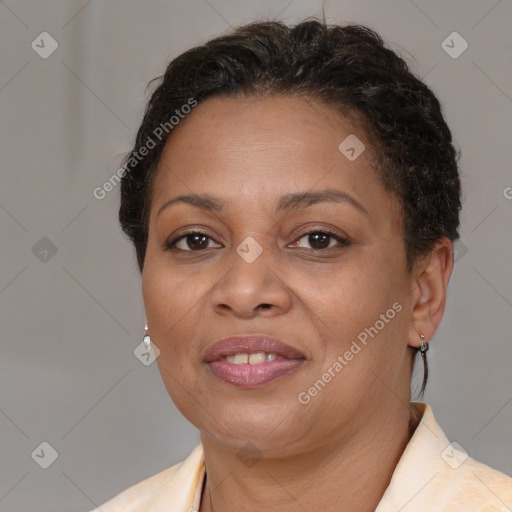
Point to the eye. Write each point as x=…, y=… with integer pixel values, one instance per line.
x=320, y=239
x=193, y=241
x=196, y=241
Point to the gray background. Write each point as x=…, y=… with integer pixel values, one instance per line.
x=70, y=321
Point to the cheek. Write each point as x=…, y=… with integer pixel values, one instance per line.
x=166, y=291
x=161, y=301
x=350, y=295
x=173, y=317
x=175, y=302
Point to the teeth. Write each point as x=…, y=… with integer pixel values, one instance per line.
x=241, y=359
x=257, y=358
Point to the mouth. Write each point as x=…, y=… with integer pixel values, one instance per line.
x=252, y=360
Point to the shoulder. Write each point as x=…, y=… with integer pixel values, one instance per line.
x=176, y=485
x=436, y=474
x=467, y=484
x=476, y=487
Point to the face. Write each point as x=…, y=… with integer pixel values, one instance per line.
x=326, y=276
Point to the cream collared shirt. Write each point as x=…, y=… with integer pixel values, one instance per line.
x=431, y=476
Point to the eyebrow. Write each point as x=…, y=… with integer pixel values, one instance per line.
x=287, y=203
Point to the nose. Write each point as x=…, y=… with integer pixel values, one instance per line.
x=250, y=289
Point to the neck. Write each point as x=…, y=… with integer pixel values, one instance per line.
x=350, y=473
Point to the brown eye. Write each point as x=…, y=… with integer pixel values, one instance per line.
x=193, y=241
x=320, y=239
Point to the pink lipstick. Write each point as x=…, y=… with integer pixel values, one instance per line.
x=251, y=360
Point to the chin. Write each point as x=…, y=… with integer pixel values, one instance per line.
x=269, y=428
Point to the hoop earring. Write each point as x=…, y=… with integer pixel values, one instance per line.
x=423, y=346
x=147, y=339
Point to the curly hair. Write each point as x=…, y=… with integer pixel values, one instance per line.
x=347, y=68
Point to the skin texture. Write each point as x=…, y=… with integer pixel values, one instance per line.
x=338, y=451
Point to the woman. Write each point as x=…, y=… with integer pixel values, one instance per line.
x=292, y=196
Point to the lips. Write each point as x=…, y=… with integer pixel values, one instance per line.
x=249, y=361
x=250, y=344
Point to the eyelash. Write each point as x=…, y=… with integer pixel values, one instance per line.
x=343, y=242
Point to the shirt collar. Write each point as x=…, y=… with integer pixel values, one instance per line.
x=418, y=467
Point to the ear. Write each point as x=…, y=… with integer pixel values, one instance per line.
x=431, y=276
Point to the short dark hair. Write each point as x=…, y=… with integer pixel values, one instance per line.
x=346, y=67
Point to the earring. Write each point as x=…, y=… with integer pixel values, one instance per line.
x=423, y=346
x=147, y=339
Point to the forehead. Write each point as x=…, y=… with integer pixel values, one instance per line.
x=259, y=147
x=224, y=126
